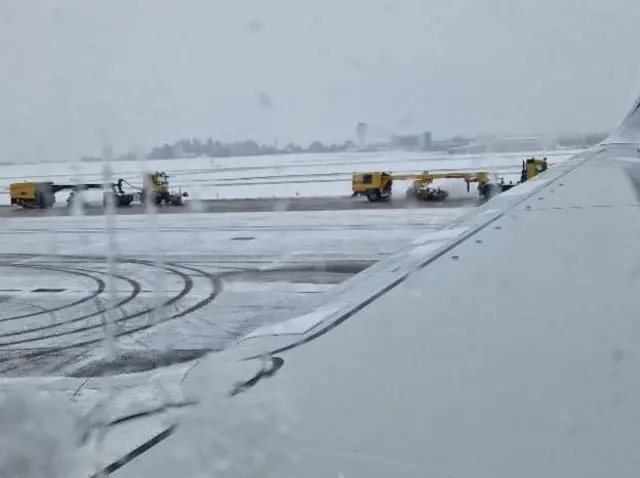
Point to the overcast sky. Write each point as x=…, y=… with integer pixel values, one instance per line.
x=77, y=74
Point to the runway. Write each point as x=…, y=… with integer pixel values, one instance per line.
x=253, y=205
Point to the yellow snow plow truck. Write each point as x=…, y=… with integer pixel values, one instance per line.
x=42, y=195
x=156, y=190
x=377, y=186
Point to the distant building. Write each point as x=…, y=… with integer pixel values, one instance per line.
x=426, y=143
x=511, y=144
x=413, y=142
x=451, y=144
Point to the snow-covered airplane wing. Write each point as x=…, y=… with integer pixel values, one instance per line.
x=506, y=345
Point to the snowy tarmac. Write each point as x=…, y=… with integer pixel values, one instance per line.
x=254, y=205
x=216, y=278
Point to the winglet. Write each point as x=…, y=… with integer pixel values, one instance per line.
x=628, y=132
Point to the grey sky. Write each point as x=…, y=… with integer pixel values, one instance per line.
x=75, y=74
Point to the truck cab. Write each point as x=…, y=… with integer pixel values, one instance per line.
x=532, y=167
x=376, y=186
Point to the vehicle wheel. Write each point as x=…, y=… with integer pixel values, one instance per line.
x=125, y=200
x=490, y=190
x=373, y=195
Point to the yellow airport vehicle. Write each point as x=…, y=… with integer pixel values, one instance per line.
x=42, y=195
x=532, y=167
x=156, y=190
x=377, y=186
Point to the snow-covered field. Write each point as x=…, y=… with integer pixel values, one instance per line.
x=307, y=175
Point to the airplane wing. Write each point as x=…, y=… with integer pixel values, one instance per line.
x=504, y=345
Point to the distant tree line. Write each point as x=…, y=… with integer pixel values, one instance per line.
x=186, y=148
x=190, y=148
